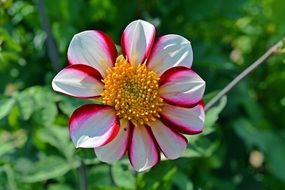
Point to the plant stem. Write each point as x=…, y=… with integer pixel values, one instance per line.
x=52, y=49
x=82, y=176
x=271, y=51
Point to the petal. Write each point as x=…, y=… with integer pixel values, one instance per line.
x=182, y=87
x=185, y=120
x=115, y=149
x=93, y=125
x=170, y=51
x=80, y=81
x=171, y=143
x=137, y=40
x=93, y=48
x=143, y=151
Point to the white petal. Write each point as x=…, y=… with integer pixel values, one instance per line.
x=80, y=81
x=143, y=152
x=93, y=125
x=170, y=51
x=93, y=48
x=171, y=143
x=182, y=87
x=185, y=120
x=137, y=40
x=116, y=149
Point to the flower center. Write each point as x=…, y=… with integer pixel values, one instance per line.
x=133, y=92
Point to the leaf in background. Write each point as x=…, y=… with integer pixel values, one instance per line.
x=14, y=117
x=251, y=136
x=209, y=96
x=57, y=137
x=59, y=187
x=23, y=165
x=160, y=177
x=98, y=176
x=123, y=175
x=26, y=104
x=68, y=104
x=191, y=153
x=212, y=115
x=6, y=105
x=45, y=105
x=47, y=167
x=182, y=181
x=11, y=141
x=267, y=141
x=6, y=147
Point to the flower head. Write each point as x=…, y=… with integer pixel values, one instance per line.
x=150, y=95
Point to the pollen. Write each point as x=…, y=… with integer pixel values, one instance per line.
x=133, y=92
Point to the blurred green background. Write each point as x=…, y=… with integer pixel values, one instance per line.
x=243, y=145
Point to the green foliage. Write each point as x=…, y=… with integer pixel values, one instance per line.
x=242, y=146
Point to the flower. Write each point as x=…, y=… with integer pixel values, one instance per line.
x=150, y=95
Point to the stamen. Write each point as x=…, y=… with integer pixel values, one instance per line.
x=133, y=92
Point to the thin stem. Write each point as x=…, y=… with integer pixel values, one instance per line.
x=82, y=176
x=274, y=49
x=52, y=49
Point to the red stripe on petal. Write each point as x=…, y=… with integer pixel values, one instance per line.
x=143, y=151
x=93, y=48
x=80, y=81
x=178, y=127
x=148, y=128
x=171, y=143
x=167, y=74
x=148, y=51
x=110, y=44
x=170, y=51
x=116, y=149
x=114, y=132
x=93, y=125
x=92, y=72
x=137, y=41
x=184, y=120
x=181, y=86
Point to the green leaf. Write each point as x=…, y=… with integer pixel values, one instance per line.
x=57, y=137
x=38, y=101
x=6, y=105
x=6, y=147
x=123, y=176
x=14, y=117
x=59, y=187
x=26, y=104
x=67, y=105
x=251, y=136
x=212, y=115
x=160, y=177
x=47, y=167
x=98, y=176
x=191, y=153
x=182, y=181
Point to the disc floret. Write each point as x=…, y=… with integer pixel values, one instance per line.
x=133, y=92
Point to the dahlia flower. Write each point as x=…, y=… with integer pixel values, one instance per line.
x=149, y=95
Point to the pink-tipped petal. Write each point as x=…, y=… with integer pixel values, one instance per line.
x=91, y=126
x=80, y=81
x=182, y=87
x=185, y=120
x=116, y=149
x=143, y=151
x=170, y=51
x=137, y=40
x=171, y=143
x=93, y=48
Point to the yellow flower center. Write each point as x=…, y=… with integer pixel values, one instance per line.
x=133, y=92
